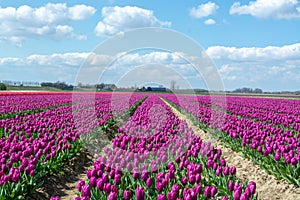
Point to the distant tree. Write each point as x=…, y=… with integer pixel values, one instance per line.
x=248, y=90
x=143, y=89
x=3, y=86
x=47, y=84
x=100, y=86
x=258, y=91
x=59, y=85
x=149, y=89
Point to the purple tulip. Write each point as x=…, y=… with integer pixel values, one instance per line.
x=105, y=178
x=89, y=173
x=226, y=171
x=171, y=196
x=214, y=191
x=145, y=175
x=112, y=173
x=237, y=195
x=113, y=188
x=127, y=194
x=222, y=162
x=93, y=181
x=192, y=179
x=259, y=148
x=277, y=156
x=149, y=182
x=215, y=166
x=230, y=186
x=55, y=198
x=252, y=187
x=80, y=184
x=107, y=188
x=238, y=187
x=198, y=178
x=207, y=191
x=140, y=193
x=136, y=175
x=244, y=197
x=199, y=168
x=172, y=174
x=218, y=171
x=86, y=192
x=113, y=196
x=175, y=189
x=100, y=184
x=161, y=197
x=198, y=189
x=117, y=179
x=209, y=163
x=294, y=161
x=232, y=170
x=184, y=180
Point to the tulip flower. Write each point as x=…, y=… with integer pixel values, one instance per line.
x=126, y=194
x=214, y=191
x=184, y=180
x=80, y=184
x=149, y=182
x=140, y=193
x=113, y=196
x=93, y=181
x=232, y=170
x=86, y=192
x=117, y=179
x=230, y=186
x=207, y=191
x=198, y=189
x=55, y=198
x=161, y=197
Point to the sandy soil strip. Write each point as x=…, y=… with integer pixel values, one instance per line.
x=65, y=184
x=268, y=187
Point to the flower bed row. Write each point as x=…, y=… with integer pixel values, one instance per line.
x=156, y=156
x=281, y=113
x=275, y=150
x=33, y=146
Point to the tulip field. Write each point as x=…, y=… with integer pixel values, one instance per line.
x=141, y=149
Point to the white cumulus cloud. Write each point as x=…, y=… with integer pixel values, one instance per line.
x=204, y=10
x=255, y=53
x=118, y=19
x=49, y=21
x=66, y=59
x=278, y=9
x=277, y=66
x=209, y=22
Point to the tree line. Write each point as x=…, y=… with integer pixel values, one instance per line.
x=248, y=90
x=58, y=85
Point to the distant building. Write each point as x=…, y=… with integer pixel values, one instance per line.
x=105, y=86
x=20, y=83
x=157, y=89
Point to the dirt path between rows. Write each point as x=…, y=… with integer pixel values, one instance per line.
x=64, y=185
x=268, y=187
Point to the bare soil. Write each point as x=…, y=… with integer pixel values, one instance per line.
x=268, y=187
x=64, y=185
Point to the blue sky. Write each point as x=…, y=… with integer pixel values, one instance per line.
x=252, y=43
